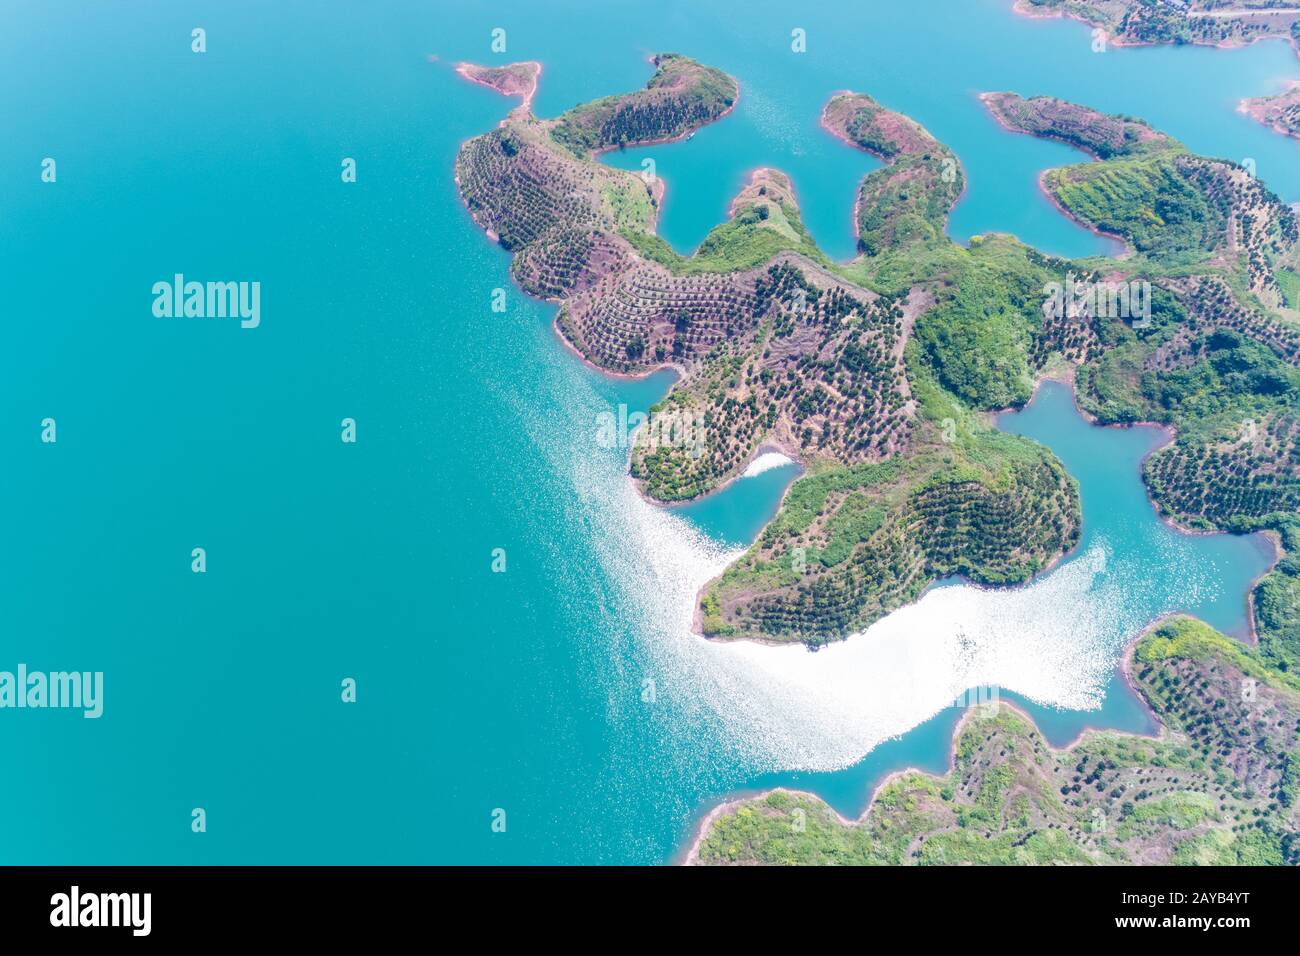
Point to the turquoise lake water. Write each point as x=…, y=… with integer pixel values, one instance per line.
x=523, y=691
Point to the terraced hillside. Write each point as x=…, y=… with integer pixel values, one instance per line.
x=1218, y=785
x=855, y=542
x=865, y=532
x=879, y=374
x=773, y=346
x=1095, y=133
x=821, y=375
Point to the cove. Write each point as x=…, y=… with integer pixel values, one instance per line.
x=734, y=515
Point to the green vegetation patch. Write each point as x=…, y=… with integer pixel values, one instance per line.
x=1147, y=200
x=978, y=337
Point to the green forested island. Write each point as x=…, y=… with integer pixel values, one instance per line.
x=880, y=374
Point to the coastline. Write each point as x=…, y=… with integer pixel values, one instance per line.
x=666, y=140
x=886, y=162
x=701, y=829
x=1274, y=539
x=1065, y=375
x=1120, y=247
x=689, y=852
x=659, y=188
x=764, y=447
x=1030, y=12
x=767, y=445
x=467, y=72
x=572, y=349
x=986, y=98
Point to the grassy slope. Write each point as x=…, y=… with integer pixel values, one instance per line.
x=1145, y=199
x=977, y=339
